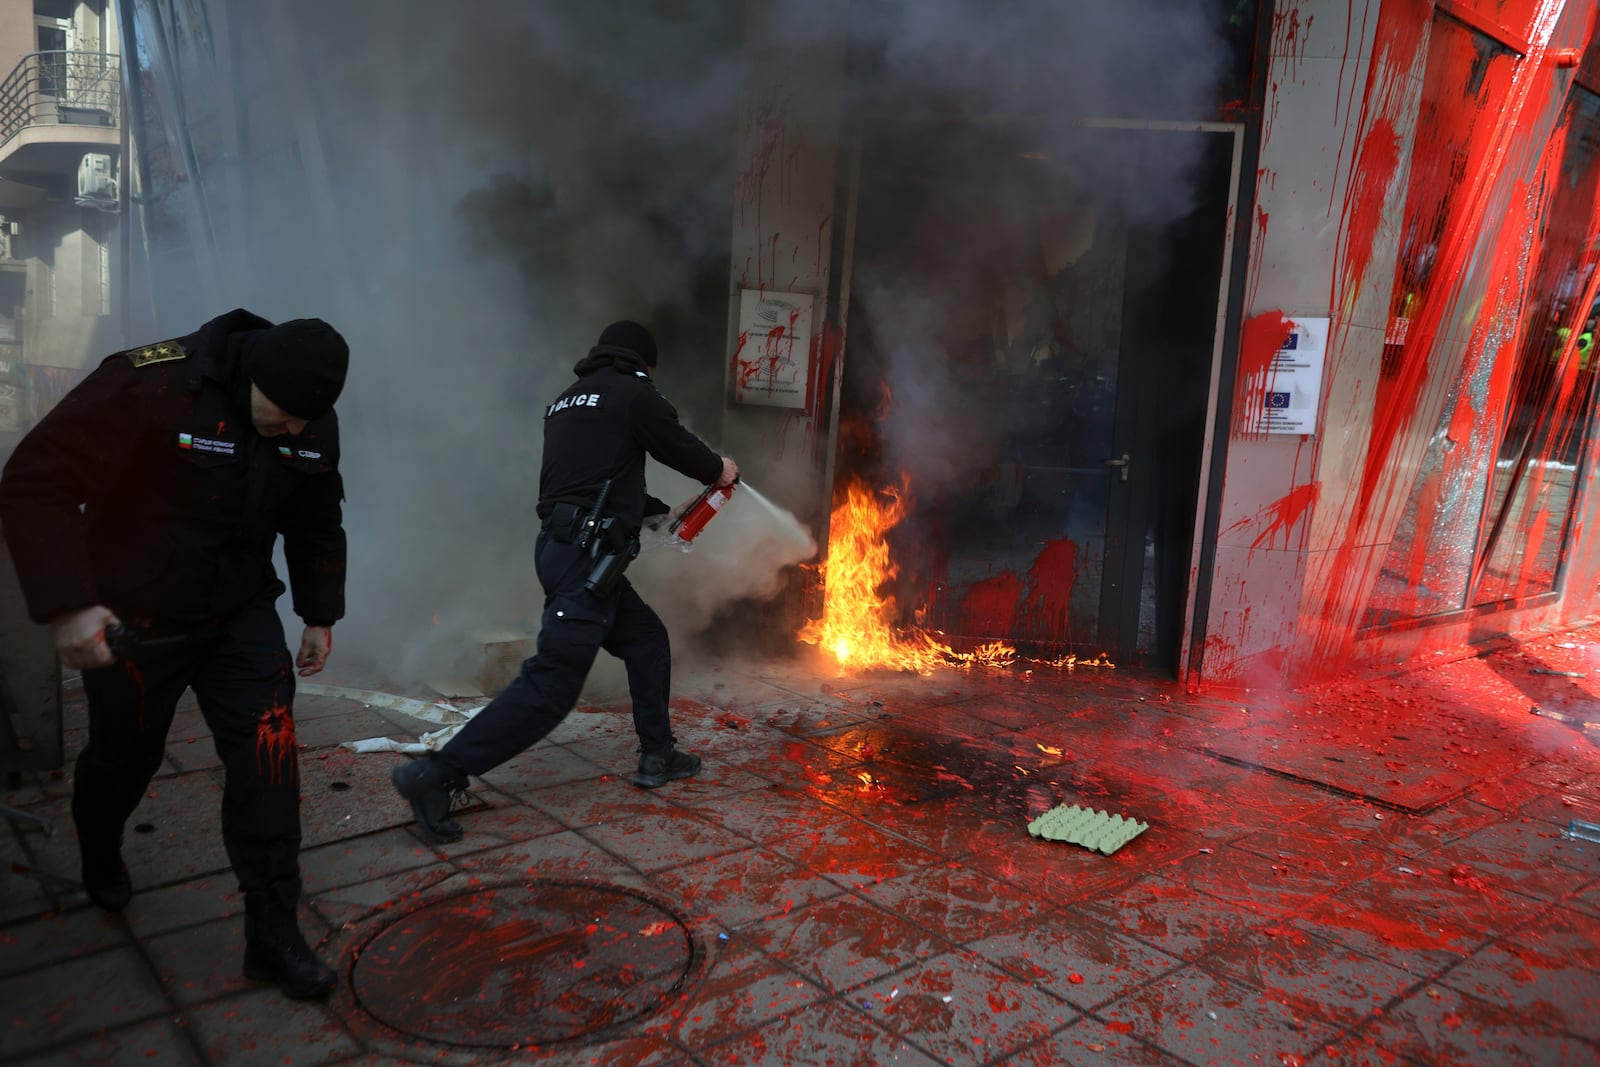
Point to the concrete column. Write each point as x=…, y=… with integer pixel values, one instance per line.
x=1340, y=112
x=784, y=215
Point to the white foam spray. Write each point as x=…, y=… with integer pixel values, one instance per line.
x=791, y=525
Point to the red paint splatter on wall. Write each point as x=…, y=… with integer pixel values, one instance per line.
x=1263, y=337
x=1288, y=41
x=765, y=131
x=1371, y=185
x=1397, y=50
x=827, y=348
x=1281, y=515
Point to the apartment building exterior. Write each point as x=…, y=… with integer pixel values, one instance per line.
x=61, y=146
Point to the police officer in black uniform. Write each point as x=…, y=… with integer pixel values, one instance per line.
x=592, y=501
x=141, y=513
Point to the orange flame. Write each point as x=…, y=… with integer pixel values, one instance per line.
x=857, y=625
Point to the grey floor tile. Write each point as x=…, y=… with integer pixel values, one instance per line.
x=1083, y=961
x=160, y=1041
x=263, y=1028
x=1312, y=976
x=742, y=990
x=843, y=942
x=1209, y=1021
x=961, y=1009
x=541, y=767
x=1089, y=1042
x=828, y=1034
x=59, y=936
x=1547, y=972
x=565, y=855
x=361, y=859
x=158, y=911
x=77, y=998
x=657, y=841
x=202, y=962
x=1439, y=1025
x=743, y=887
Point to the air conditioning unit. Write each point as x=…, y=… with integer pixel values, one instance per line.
x=97, y=181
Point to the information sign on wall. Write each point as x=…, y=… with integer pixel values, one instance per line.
x=1293, y=389
x=772, y=357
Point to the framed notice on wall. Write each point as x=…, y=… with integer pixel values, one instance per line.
x=1294, y=379
x=772, y=356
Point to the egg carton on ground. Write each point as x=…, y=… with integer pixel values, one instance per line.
x=1094, y=830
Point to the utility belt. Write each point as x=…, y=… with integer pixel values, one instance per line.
x=564, y=523
x=608, y=542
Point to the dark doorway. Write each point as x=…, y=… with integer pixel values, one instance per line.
x=1031, y=322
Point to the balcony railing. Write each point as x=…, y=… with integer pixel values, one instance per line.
x=61, y=89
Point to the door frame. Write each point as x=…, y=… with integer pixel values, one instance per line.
x=848, y=189
x=1200, y=530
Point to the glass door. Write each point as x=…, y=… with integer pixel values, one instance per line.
x=1027, y=358
x=51, y=42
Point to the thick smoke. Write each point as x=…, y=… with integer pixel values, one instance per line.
x=994, y=245
x=471, y=193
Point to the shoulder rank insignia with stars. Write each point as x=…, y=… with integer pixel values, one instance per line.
x=165, y=352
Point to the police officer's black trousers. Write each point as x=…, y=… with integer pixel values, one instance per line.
x=575, y=626
x=243, y=677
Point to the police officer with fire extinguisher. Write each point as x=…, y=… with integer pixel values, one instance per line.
x=592, y=503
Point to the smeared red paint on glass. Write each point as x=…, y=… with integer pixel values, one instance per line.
x=1050, y=580
x=990, y=606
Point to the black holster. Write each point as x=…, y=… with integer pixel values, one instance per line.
x=612, y=549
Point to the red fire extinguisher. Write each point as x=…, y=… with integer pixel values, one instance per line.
x=687, y=527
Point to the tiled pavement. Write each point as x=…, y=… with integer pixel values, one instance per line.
x=1371, y=873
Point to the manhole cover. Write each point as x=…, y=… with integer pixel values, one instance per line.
x=523, y=965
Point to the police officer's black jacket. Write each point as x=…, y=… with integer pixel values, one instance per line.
x=182, y=501
x=602, y=427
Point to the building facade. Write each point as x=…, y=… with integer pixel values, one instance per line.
x=60, y=198
x=1387, y=452
x=1248, y=341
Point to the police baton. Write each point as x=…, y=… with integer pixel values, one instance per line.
x=126, y=644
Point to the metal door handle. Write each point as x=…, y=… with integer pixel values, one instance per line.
x=1120, y=464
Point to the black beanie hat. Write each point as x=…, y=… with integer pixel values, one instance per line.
x=630, y=335
x=299, y=365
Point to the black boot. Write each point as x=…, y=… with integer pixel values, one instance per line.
x=105, y=876
x=659, y=768
x=274, y=948
x=429, y=785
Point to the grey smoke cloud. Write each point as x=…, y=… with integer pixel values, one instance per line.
x=499, y=180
